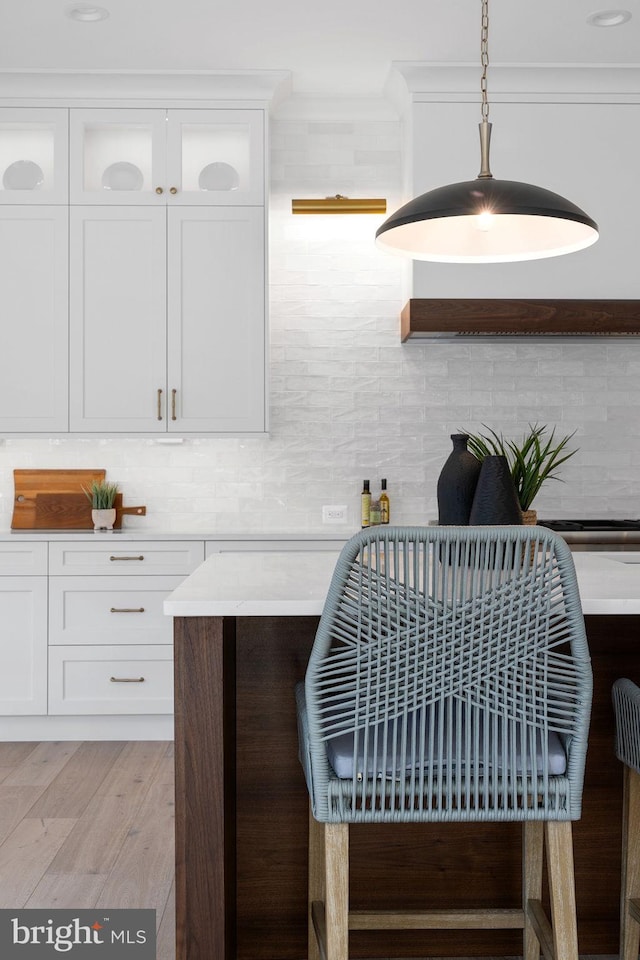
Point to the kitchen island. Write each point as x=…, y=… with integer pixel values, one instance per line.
x=243, y=629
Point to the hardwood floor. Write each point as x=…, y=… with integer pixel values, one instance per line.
x=89, y=824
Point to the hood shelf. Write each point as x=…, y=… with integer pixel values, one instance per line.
x=455, y=319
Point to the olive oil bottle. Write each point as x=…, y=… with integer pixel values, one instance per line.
x=365, y=500
x=384, y=503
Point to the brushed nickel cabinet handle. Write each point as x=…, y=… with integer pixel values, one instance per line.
x=173, y=190
x=159, y=190
x=127, y=609
x=159, y=404
x=141, y=557
x=126, y=679
x=173, y=404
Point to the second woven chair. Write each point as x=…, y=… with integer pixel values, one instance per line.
x=626, y=705
x=449, y=680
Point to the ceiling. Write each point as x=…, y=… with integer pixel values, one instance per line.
x=337, y=47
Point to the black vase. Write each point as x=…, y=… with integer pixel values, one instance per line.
x=496, y=499
x=457, y=483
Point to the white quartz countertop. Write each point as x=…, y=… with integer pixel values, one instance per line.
x=293, y=583
x=151, y=533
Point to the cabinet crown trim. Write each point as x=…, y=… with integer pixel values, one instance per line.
x=87, y=85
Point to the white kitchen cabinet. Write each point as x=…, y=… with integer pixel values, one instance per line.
x=269, y=546
x=216, y=330
x=109, y=610
x=111, y=680
x=23, y=637
x=33, y=155
x=110, y=644
x=118, y=349
x=111, y=557
x=34, y=292
x=185, y=345
x=158, y=157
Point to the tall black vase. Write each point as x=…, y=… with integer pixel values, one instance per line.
x=496, y=499
x=457, y=483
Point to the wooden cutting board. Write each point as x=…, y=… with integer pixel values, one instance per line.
x=54, y=500
x=29, y=483
x=72, y=511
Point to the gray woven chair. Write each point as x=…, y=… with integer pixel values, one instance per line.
x=449, y=680
x=626, y=705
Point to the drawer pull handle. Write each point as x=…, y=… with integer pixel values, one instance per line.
x=126, y=679
x=127, y=558
x=127, y=609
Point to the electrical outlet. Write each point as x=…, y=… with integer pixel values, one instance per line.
x=334, y=514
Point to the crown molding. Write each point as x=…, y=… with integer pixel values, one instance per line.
x=265, y=86
x=573, y=82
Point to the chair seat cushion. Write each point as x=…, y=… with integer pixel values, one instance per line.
x=341, y=753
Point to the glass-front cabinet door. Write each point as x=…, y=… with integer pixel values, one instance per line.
x=33, y=155
x=117, y=156
x=160, y=157
x=216, y=157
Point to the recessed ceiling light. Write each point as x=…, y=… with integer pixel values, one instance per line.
x=86, y=13
x=608, y=18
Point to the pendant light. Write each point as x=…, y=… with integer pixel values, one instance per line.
x=486, y=220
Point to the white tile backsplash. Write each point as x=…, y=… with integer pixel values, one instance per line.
x=348, y=400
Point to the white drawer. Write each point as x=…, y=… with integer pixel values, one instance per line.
x=23, y=559
x=108, y=679
x=108, y=610
x=269, y=546
x=115, y=558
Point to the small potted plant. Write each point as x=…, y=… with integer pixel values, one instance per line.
x=102, y=496
x=532, y=461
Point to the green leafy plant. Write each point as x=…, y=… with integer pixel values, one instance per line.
x=101, y=494
x=532, y=461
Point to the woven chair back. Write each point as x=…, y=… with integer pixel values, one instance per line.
x=449, y=679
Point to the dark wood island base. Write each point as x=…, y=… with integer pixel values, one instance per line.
x=241, y=811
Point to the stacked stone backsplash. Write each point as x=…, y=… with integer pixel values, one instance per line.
x=348, y=401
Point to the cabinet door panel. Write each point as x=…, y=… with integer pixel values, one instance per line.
x=118, y=156
x=23, y=645
x=34, y=284
x=216, y=329
x=216, y=157
x=34, y=155
x=118, y=319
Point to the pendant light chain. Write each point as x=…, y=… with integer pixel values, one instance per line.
x=484, y=57
x=485, y=126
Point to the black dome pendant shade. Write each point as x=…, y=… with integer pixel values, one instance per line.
x=486, y=220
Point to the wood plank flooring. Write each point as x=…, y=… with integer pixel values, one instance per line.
x=89, y=824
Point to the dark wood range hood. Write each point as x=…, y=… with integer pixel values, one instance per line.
x=454, y=319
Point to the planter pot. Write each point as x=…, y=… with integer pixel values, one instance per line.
x=530, y=518
x=495, y=500
x=103, y=519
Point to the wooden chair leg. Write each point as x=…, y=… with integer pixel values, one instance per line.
x=532, y=869
x=336, y=848
x=562, y=889
x=630, y=879
x=315, y=880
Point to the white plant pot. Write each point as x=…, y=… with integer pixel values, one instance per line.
x=103, y=519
